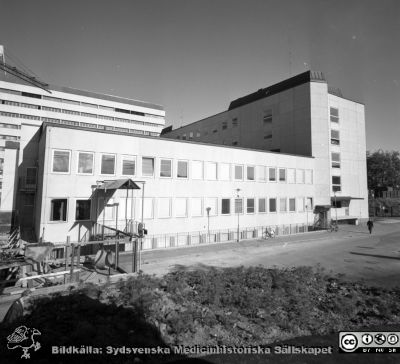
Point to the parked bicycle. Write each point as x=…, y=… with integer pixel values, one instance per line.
x=268, y=233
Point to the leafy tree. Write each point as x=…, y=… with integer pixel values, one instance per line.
x=383, y=169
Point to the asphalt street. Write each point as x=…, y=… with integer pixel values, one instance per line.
x=352, y=251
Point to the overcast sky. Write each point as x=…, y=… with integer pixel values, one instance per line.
x=195, y=56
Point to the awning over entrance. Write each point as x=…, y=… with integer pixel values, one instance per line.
x=345, y=198
x=118, y=184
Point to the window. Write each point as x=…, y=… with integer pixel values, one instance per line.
x=164, y=207
x=28, y=94
x=309, y=204
x=191, y=135
x=184, y=137
x=108, y=164
x=300, y=176
x=309, y=176
x=268, y=135
x=147, y=167
x=335, y=140
x=182, y=169
x=336, y=204
x=225, y=206
x=238, y=206
x=262, y=205
x=128, y=165
x=291, y=175
x=82, y=210
x=224, y=174
x=335, y=160
x=238, y=172
x=85, y=162
x=250, y=205
x=300, y=204
x=282, y=175
x=197, y=206
x=30, y=176
x=166, y=168
x=272, y=174
x=58, y=210
x=282, y=205
x=211, y=203
x=235, y=122
x=197, y=170
x=292, y=204
x=272, y=205
x=261, y=173
x=61, y=160
x=250, y=173
x=181, y=207
x=336, y=183
x=267, y=118
x=148, y=209
x=198, y=135
x=211, y=171
x=224, y=125
x=334, y=114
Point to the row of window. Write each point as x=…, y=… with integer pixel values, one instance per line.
x=61, y=160
x=73, y=102
x=179, y=207
x=76, y=123
x=73, y=112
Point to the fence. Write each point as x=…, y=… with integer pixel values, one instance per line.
x=217, y=236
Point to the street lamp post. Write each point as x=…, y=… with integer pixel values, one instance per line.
x=335, y=206
x=208, y=222
x=238, y=213
x=306, y=216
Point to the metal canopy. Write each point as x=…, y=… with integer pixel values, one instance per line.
x=345, y=198
x=118, y=184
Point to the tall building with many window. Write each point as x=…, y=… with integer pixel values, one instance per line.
x=302, y=115
x=25, y=106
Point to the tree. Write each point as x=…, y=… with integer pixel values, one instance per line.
x=383, y=170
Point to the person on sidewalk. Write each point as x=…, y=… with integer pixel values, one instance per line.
x=370, y=225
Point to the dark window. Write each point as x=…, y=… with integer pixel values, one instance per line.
x=272, y=205
x=58, y=210
x=61, y=161
x=82, y=210
x=137, y=113
x=28, y=94
x=335, y=139
x=250, y=205
x=128, y=167
x=122, y=110
x=107, y=164
x=225, y=206
x=334, y=114
x=182, y=169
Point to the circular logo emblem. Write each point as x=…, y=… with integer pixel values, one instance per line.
x=392, y=339
x=380, y=339
x=348, y=342
x=367, y=339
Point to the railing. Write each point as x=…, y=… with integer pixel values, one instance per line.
x=165, y=241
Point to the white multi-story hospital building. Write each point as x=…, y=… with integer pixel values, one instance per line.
x=288, y=155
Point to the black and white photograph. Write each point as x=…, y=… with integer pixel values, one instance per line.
x=200, y=181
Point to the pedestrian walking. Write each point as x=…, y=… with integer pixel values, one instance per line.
x=370, y=225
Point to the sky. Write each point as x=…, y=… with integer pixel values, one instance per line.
x=195, y=56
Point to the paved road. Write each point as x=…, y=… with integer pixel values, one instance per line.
x=352, y=251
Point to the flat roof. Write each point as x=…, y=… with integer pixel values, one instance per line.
x=308, y=76
x=15, y=80
x=47, y=124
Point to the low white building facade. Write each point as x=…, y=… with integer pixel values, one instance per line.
x=188, y=187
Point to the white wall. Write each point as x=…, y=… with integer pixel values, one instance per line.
x=75, y=186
